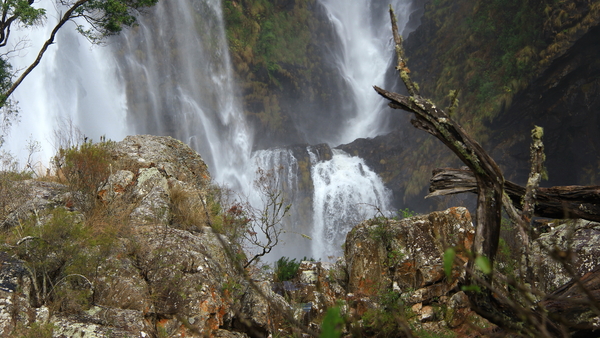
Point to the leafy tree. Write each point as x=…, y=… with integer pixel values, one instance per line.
x=104, y=18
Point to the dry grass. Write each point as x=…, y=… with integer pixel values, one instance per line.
x=187, y=209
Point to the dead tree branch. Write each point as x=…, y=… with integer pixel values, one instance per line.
x=485, y=178
x=555, y=202
x=488, y=177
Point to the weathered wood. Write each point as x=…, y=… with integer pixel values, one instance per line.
x=488, y=176
x=577, y=305
x=555, y=202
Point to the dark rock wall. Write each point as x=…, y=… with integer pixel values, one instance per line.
x=564, y=100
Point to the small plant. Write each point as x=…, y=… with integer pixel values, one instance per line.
x=332, y=323
x=187, y=211
x=35, y=330
x=62, y=255
x=406, y=213
x=286, y=269
x=84, y=168
x=266, y=224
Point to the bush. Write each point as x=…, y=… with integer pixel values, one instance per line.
x=84, y=168
x=62, y=255
x=286, y=269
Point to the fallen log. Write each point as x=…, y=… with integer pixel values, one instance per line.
x=556, y=202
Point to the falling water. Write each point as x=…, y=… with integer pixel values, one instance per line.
x=346, y=192
x=365, y=56
x=178, y=79
x=74, y=85
x=171, y=75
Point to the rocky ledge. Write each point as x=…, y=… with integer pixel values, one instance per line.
x=149, y=259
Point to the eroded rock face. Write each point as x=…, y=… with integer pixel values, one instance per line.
x=574, y=243
x=406, y=254
x=155, y=278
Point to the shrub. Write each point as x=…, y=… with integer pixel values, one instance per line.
x=84, y=168
x=187, y=211
x=286, y=269
x=62, y=255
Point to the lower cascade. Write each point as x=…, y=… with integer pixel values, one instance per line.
x=346, y=193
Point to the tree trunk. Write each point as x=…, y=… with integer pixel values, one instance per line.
x=555, y=202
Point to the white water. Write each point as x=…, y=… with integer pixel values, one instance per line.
x=177, y=72
x=75, y=83
x=346, y=192
x=172, y=76
x=367, y=51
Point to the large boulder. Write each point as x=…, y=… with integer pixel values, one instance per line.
x=407, y=254
x=569, y=245
x=163, y=273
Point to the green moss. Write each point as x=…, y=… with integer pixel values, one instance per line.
x=269, y=43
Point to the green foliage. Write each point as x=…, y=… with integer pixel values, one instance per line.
x=286, y=269
x=23, y=12
x=35, y=330
x=484, y=264
x=269, y=42
x=108, y=17
x=6, y=74
x=84, y=168
x=406, y=213
x=63, y=255
x=332, y=323
x=449, y=256
x=470, y=288
x=388, y=319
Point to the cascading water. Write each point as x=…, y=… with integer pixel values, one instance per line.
x=346, y=192
x=364, y=57
x=73, y=85
x=171, y=75
x=177, y=72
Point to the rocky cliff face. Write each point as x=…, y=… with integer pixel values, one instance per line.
x=516, y=65
x=134, y=265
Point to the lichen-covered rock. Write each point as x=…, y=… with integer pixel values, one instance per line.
x=152, y=279
x=33, y=198
x=17, y=295
x=102, y=322
x=458, y=309
x=115, y=185
x=574, y=243
x=177, y=159
x=185, y=274
x=407, y=254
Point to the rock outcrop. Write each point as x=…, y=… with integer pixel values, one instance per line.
x=145, y=262
x=156, y=275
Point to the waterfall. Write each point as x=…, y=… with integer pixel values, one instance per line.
x=364, y=57
x=74, y=85
x=171, y=75
x=346, y=192
x=177, y=73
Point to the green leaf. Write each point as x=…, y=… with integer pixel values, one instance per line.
x=449, y=256
x=332, y=324
x=468, y=288
x=484, y=264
